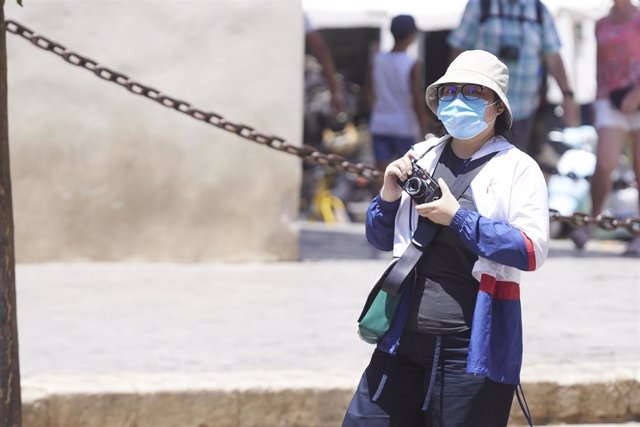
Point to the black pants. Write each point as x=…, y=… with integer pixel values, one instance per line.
x=395, y=390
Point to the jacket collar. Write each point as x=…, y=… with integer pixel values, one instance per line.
x=495, y=144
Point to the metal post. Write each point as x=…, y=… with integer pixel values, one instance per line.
x=10, y=398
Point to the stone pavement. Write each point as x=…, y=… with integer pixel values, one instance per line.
x=131, y=344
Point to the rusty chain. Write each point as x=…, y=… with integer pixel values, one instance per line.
x=305, y=152
x=606, y=222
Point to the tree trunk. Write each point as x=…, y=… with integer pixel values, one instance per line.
x=10, y=400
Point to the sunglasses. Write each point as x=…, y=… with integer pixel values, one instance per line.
x=449, y=92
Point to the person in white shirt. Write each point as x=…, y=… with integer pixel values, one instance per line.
x=394, y=92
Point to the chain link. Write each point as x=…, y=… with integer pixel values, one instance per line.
x=306, y=152
x=606, y=222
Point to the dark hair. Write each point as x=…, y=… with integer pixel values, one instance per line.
x=403, y=26
x=501, y=123
x=501, y=120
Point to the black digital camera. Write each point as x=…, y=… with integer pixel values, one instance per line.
x=421, y=186
x=510, y=53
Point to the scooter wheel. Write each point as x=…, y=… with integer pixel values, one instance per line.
x=559, y=230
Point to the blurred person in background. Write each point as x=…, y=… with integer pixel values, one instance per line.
x=616, y=106
x=320, y=50
x=523, y=35
x=321, y=79
x=393, y=91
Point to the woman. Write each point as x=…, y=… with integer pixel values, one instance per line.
x=616, y=106
x=455, y=358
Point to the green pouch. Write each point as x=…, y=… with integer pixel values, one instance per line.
x=378, y=311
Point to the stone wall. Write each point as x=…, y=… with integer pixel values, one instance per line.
x=101, y=174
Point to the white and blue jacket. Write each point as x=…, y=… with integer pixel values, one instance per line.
x=509, y=233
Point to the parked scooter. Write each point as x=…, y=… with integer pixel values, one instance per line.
x=568, y=186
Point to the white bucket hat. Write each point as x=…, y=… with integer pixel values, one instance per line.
x=477, y=67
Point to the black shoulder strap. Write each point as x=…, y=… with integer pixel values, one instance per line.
x=427, y=230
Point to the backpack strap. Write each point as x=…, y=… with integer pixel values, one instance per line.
x=539, y=12
x=484, y=10
x=485, y=13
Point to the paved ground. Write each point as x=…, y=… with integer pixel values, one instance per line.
x=136, y=326
x=141, y=327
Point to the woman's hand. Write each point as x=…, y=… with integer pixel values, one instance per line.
x=398, y=169
x=631, y=101
x=440, y=211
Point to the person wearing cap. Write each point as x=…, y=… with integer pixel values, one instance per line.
x=393, y=91
x=454, y=351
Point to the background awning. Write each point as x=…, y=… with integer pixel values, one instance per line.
x=430, y=15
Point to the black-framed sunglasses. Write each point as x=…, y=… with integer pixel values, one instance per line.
x=468, y=91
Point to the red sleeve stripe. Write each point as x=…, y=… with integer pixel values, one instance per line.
x=499, y=289
x=531, y=252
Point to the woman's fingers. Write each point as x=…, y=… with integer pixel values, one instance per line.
x=408, y=166
x=398, y=172
x=400, y=168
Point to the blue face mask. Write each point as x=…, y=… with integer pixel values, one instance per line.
x=463, y=118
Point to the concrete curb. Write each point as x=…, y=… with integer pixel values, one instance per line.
x=611, y=402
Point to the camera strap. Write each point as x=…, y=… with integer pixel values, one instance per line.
x=427, y=229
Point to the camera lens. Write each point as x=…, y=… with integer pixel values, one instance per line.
x=414, y=187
